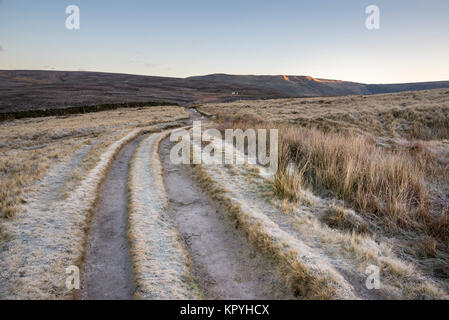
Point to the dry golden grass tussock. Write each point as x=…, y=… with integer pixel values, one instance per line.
x=343, y=219
x=389, y=184
x=20, y=168
x=379, y=182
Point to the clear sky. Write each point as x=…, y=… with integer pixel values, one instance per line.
x=320, y=38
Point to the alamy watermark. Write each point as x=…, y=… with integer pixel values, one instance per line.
x=373, y=279
x=208, y=147
x=73, y=22
x=73, y=279
x=372, y=22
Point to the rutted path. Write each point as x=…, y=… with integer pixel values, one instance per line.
x=225, y=264
x=108, y=271
x=165, y=202
x=161, y=263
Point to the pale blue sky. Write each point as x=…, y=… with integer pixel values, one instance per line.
x=321, y=38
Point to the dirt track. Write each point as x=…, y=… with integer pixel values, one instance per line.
x=108, y=270
x=225, y=265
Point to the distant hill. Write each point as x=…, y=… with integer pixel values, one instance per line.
x=24, y=90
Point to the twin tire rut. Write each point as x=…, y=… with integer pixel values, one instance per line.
x=225, y=265
x=108, y=270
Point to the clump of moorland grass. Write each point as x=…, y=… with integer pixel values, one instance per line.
x=340, y=218
x=426, y=247
x=288, y=180
x=15, y=176
x=389, y=185
x=431, y=127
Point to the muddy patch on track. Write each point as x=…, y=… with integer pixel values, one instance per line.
x=225, y=264
x=108, y=270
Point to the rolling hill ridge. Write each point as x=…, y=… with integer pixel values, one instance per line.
x=23, y=90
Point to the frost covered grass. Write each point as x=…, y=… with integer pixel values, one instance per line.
x=316, y=261
x=160, y=259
